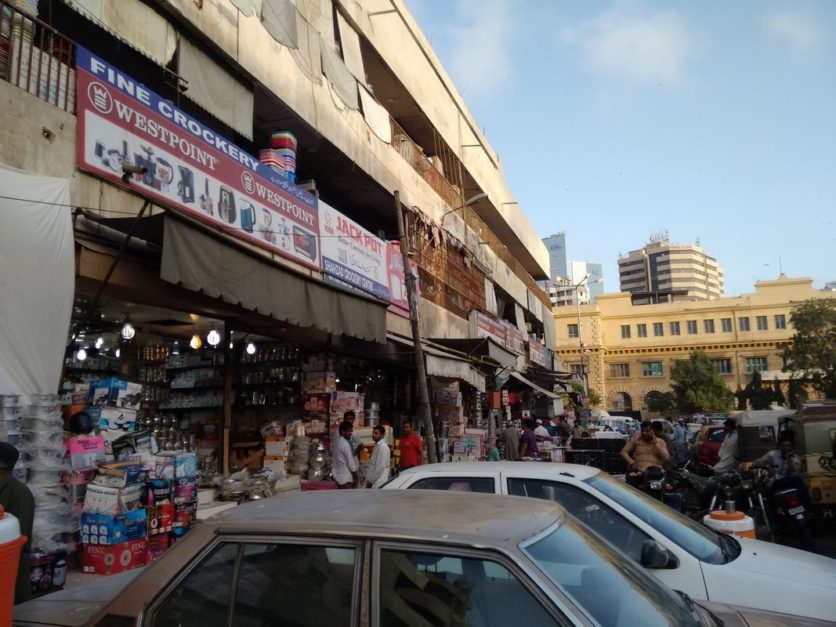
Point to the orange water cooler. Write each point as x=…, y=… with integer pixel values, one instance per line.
x=10, y=544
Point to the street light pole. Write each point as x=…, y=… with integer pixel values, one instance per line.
x=576, y=289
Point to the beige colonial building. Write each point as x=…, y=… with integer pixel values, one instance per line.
x=629, y=350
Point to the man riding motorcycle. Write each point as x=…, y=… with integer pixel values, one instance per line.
x=643, y=452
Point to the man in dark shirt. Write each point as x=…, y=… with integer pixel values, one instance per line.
x=17, y=500
x=528, y=441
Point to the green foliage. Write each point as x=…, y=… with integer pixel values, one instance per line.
x=812, y=352
x=594, y=397
x=697, y=387
x=660, y=402
x=759, y=397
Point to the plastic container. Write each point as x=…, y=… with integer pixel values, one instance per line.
x=43, y=400
x=733, y=523
x=10, y=544
x=42, y=412
x=45, y=439
x=9, y=400
x=9, y=412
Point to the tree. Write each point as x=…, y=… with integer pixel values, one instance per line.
x=760, y=397
x=659, y=402
x=593, y=397
x=812, y=350
x=778, y=393
x=697, y=386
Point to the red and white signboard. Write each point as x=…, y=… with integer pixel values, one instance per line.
x=187, y=165
x=514, y=339
x=536, y=353
x=397, y=279
x=482, y=325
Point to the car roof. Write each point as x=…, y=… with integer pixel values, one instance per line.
x=528, y=469
x=414, y=514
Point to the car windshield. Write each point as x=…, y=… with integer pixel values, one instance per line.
x=700, y=541
x=609, y=587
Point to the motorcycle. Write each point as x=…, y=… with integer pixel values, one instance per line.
x=654, y=482
x=788, y=511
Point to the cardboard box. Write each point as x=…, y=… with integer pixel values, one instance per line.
x=116, y=393
x=160, y=519
x=276, y=464
x=275, y=446
x=156, y=492
x=85, y=451
x=157, y=545
x=115, y=422
x=175, y=465
x=318, y=382
x=101, y=499
x=138, y=445
x=109, y=559
x=120, y=474
x=185, y=491
x=107, y=529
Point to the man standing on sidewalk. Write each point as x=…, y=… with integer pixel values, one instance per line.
x=343, y=463
x=17, y=500
x=377, y=472
x=411, y=445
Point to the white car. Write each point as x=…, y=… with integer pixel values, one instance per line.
x=701, y=562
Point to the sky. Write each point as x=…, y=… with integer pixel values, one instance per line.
x=712, y=120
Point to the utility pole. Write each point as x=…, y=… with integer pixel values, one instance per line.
x=424, y=415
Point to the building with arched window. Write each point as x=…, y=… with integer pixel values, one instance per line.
x=627, y=351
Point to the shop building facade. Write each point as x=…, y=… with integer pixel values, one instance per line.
x=629, y=350
x=228, y=230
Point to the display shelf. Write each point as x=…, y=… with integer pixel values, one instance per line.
x=92, y=370
x=266, y=384
x=184, y=368
x=255, y=365
x=197, y=407
x=197, y=387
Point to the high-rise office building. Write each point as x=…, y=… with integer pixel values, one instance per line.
x=662, y=272
x=556, y=245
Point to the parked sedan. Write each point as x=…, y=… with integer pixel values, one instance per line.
x=701, y=562
x=362, y=557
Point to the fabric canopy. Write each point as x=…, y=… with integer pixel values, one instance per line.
x=376, y=116
x=216, y=90
x=532, y=385
x=203, y=263
x=440, y=364
x=343, y=82
x=37, y=282
x=133, y=22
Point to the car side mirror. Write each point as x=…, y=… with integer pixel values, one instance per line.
x=654, y=555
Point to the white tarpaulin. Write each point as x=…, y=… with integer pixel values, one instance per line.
x=377, y=117
x=352, y=55
x=37, y=281
x=216, y=90
x=133, y=22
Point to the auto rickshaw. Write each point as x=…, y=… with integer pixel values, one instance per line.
x=814, y=426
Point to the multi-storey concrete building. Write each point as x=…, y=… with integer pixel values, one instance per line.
x=628, y=350
x=237, y=168
x=662, y=272
x=556, y=245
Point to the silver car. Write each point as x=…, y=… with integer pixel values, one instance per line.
x=394, y=558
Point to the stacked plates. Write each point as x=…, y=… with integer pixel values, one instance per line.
x=272, y=159
x=9, y=419
x=284, y=144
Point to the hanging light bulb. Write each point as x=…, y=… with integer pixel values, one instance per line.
x=213, y=337
x=99, y=342
x=231, y=346
x=250, y=349
x=81, y=355
x=128, y=332
x=195, y=342
x=175, y=348
x=118, y=352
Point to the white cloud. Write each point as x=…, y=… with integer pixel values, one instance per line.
x=653, y=47
x=480, y=59
x=799, y=30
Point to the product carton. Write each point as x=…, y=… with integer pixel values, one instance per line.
x=318, y=382
x=109, y=559
x=157, y=545
x=185, y=491
x=85, y=451
x=116, y=393
x=175, y=465
x=139, y=445
x=105, y=500
x=160, y=519
x=120, y=474
x=107, y=529
x=115, y=422
x=275, y=446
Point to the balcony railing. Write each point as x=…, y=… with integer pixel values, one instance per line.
x=36, y=57
x=428, y=168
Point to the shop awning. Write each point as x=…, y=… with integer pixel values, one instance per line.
x=483, y=347
x=532, y=385
x=203, y=263
x=442, y=363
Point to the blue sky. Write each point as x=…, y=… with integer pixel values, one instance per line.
x=713, y=120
